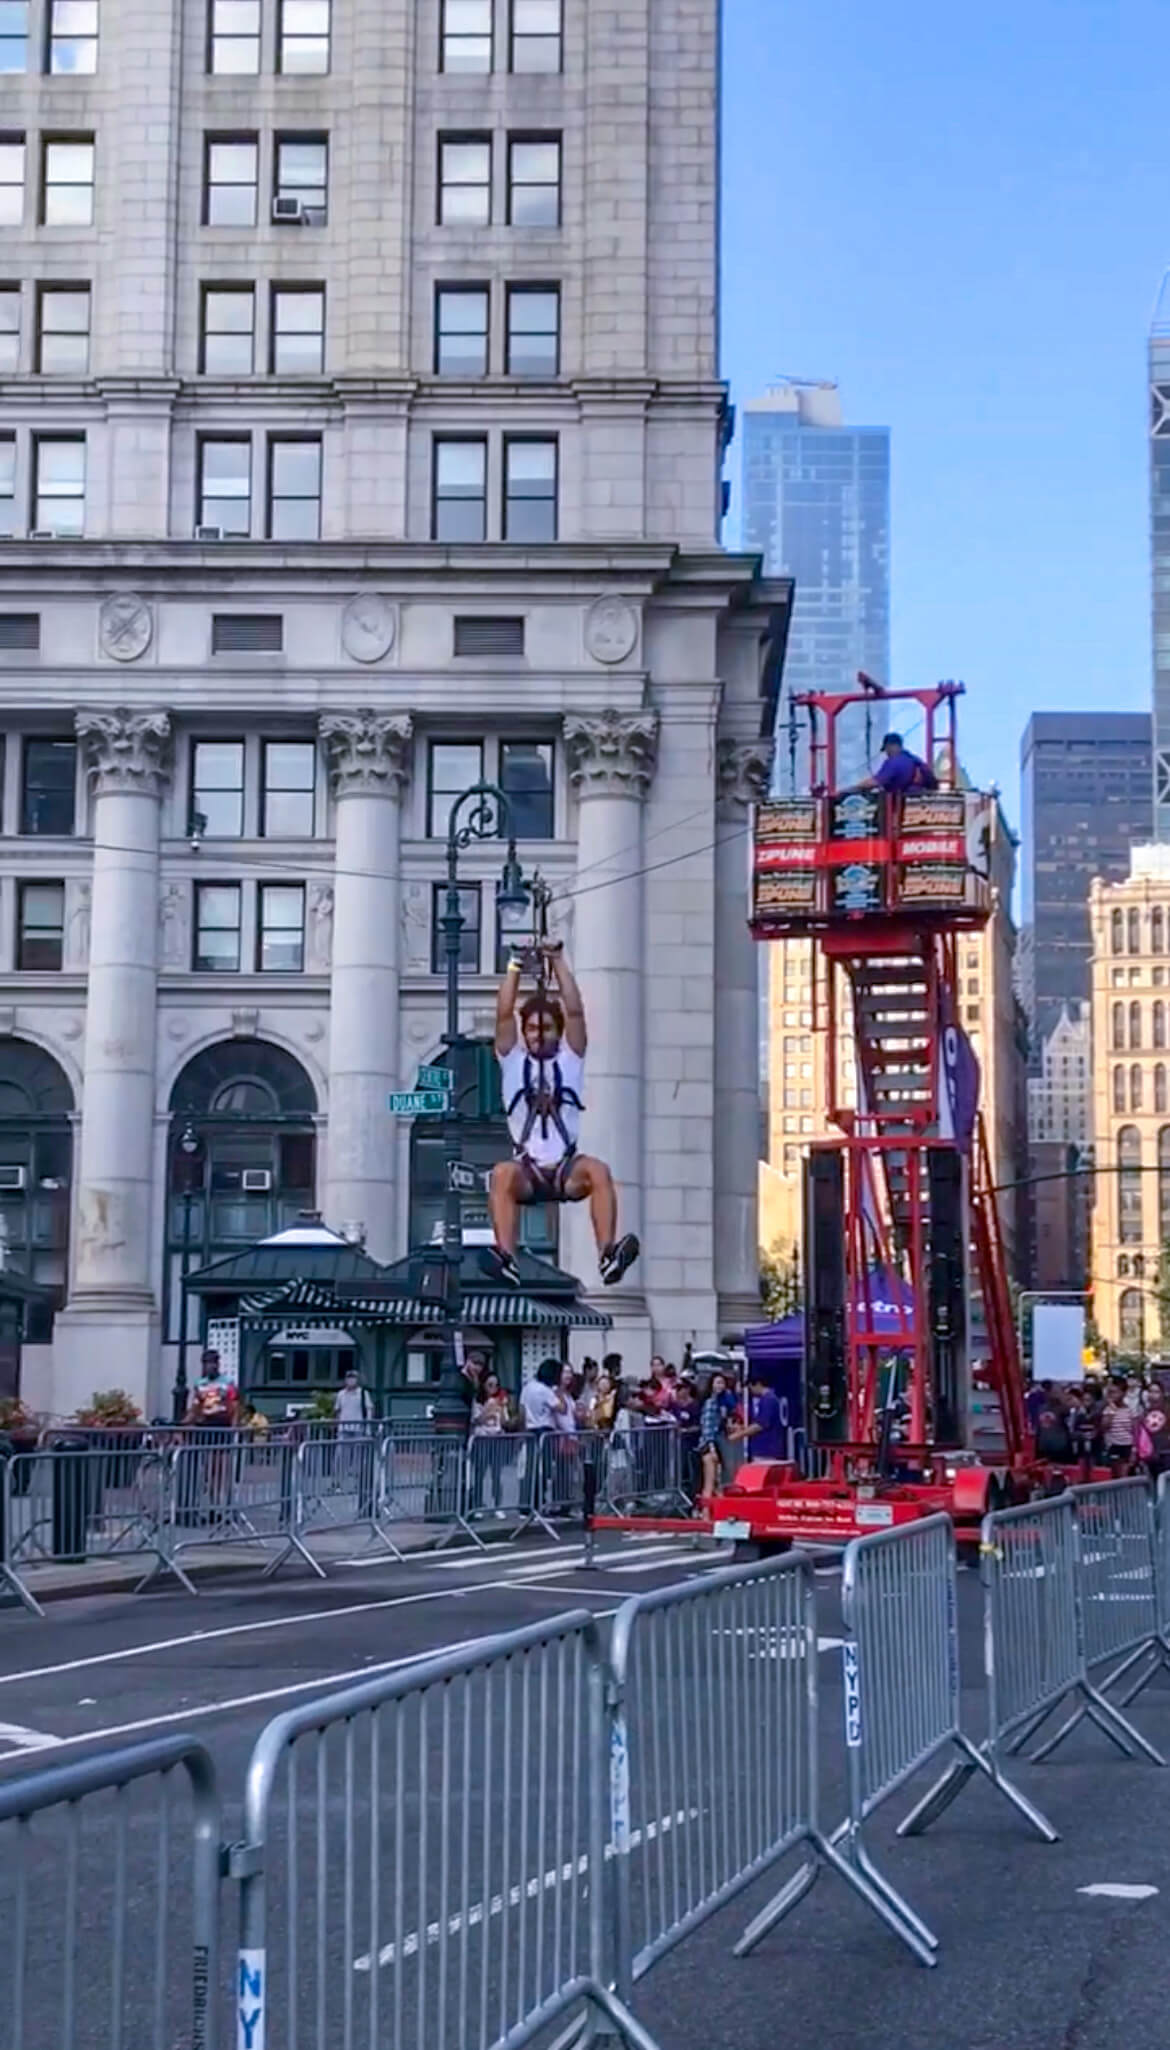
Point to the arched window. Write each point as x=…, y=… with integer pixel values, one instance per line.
x=1117, y=932
x=1135, y=1087
x=1159, y=1024
x=1135, y=932
x=1119, y=1087
x=1119, y=1027
x=1164, y=1184
x=1135, y=1026
x=1160, y=1086
x=36, y=1154
x=1130, y=1318
x=1129, y=1186
x=1157, y=930
x=251, y=1107
x=485, y=1140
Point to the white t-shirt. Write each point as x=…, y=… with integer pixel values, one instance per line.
x=351, y=1405
x=544, y=1143
x=539, y=1406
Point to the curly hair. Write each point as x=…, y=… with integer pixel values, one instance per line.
x=538, y=1006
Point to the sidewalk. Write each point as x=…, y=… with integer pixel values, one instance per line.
x=217, y=1562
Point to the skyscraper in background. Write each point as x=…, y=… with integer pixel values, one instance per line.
x=816, y=497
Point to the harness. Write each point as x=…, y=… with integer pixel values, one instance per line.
x=544, y=1103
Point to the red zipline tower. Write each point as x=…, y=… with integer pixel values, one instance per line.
x=900, y=1198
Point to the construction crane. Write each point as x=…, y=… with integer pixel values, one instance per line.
x=899, y=1210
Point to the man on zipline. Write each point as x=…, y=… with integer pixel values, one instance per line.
x=542, y=1074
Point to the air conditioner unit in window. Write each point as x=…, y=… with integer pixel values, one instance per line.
x=256, y=1181
x=209, y=534
x=285, y=209
x=12, y=1177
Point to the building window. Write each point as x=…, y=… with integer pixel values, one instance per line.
x=453, y=766
x=1117, y=932
x=9, y=329
x=1159, y=1025
x=247, y=633
x=1119, y=1088
x=1135, y=1026
x=1130, y=1318
x=1119, y=1027
x=302, y=174
x=217, y=789
x=227, y=337
x=280, y=930
x=48, y=787
x=298, y=330
x=13, y=36
x=466, y=36
x=536, y=35
x=67, y=185
x=63, y=329
x=73, y=36
x=1164, y=1184
x=217, y=928
x=294, y=489
x=469, y=896
x=230, y=180
x=225, y=486
x=1129, y=1186
x=459, y=511
x=530, y=490
x=1135, y=1087
x=1134, y=922
x=465, y=181
x=287, y=796
x=59, y=484
x=534, y=330
x=1160, y=1087
x=234, y=37
x=41, y=925
x=461, y=330
x=534, y=181
x=11, y=181
x=303, y=37
x=7, y=484
x=1157, y=930
x=526, y=779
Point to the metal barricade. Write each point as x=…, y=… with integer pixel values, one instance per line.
x=71, y=1504
x=559, y=1477
x=424, y=1858
x=1160, y=1645
x=423, y=1480
x=713, y=1752
x=231, y=1489
x=144, y=1975
x=642, y=1472
x=338, y=1486
x=901, y=1687
x=499, y=1478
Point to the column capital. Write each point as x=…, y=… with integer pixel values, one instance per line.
x=368, y=752
x=126, y=751
x=745, y=772
x=611, y=753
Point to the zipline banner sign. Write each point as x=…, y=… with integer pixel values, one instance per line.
x=1058, y=1341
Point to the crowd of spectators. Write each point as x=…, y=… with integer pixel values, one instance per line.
x=1119, y=1424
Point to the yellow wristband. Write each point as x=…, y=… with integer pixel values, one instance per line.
x=515, y=967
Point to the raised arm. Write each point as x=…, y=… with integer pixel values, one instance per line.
x=506, y=1008
x=570, y=996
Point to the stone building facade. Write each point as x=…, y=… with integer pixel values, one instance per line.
x=362, y=436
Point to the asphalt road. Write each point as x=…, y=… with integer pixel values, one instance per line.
x=1029, y=1959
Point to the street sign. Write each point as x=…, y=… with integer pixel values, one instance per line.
x=436, y=1078
x=419, y=1103
x=468, y=1181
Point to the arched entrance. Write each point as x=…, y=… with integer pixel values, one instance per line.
x=36, y=1174
x=241, y=1160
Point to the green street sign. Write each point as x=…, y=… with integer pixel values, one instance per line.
x=419, y=1103
x=436, y=1078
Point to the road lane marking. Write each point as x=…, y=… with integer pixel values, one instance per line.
x=26, y=1740
x=530, y=1890
x=1116, y=1891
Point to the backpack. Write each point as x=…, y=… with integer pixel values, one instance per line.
x=543, y=1104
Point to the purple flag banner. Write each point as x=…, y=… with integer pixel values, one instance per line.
x=958, y=1079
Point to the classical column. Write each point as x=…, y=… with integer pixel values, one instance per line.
x=369, y=761
x=106, y=1335
x=744, y=768
x=611, y=757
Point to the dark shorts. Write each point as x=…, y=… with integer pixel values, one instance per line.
x=545, y=1184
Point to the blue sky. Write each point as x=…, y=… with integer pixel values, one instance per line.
x=963, y=214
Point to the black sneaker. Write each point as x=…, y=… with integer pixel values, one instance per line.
x=500, y=1265
x=616, y=1260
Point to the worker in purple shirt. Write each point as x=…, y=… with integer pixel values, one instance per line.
x=762, y=1433
x=899, y=770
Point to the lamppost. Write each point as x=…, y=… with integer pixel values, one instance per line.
x=189, y=1149
x=479, y=813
